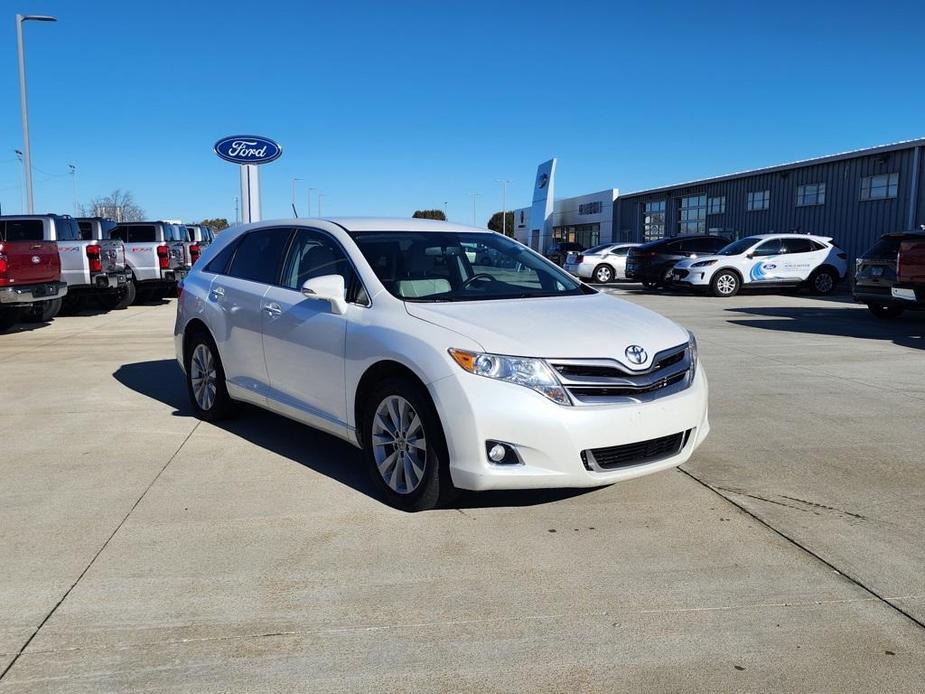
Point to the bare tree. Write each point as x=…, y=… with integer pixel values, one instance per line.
x=119, y=205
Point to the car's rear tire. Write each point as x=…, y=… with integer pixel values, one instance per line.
x=886, y=311
x=822, y=282
x=405, y=449
x=42, y=311
x=725, y=284
x=119, y=299
x=603, y=274
x=9, y=317
x=205, y=379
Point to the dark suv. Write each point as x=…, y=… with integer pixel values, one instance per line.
x=559, y=250
x=651, y=263
x=875, y=274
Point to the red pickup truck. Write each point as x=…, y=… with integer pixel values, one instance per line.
x=30, y=276
x=909, y=288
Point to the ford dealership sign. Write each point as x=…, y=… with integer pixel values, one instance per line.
x=248, y=149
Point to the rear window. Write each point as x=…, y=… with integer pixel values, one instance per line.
x=885, y=249
x=23, y=230
x=140, y=233
x=86, y=230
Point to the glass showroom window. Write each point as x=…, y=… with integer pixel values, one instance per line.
x=716, y=205
x=693, y=217
x=879, y=187
x=758, y=200
x=811, y=194
x=654, y=224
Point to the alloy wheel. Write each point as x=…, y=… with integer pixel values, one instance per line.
x=604, y=275
x=203, y=376
x=823, y=283
x=399, y=445
x=726, y=284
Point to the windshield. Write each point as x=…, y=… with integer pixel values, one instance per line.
x=738, y=247
x=461, y=266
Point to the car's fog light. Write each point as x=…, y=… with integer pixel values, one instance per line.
x=501, y=453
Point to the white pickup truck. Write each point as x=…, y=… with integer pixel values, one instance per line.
x=154, y=255
x=89, y=267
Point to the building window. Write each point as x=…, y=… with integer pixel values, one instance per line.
x=654, y=223
x=589, y=208
x=693, y=217
x=758, y=200
x=716, y=205
x=811, y=194
x=879, y=187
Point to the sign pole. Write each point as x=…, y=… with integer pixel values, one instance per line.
x=250, y=193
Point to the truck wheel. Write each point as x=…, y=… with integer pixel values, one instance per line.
x=404, y=446
x=725, y=284
x=42, y=311
x=205, y=380
x=886, y=311
x=71, y=304
x=822, y=282
x=8, y=318
x=603, y=274
x=120, y=299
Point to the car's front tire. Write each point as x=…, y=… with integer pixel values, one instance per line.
x=725, y=283
x=886, y=311
x=405, y=449
x=205, y=380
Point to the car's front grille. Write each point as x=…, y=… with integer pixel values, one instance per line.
x=638, y=453
x=681, y=274
x=603, y=381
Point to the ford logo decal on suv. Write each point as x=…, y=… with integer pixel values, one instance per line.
x=248, y=149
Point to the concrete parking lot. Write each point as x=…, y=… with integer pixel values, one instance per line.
x=143, y=550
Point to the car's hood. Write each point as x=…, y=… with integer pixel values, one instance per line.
x=594, y=326
x=687, y=262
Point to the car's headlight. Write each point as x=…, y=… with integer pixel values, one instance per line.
x=692, y=345
x=703, y=263
x=531, y=373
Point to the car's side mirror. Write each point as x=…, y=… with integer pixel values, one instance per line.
x=328, y=288
x=750, y=255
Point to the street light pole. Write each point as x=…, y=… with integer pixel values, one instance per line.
x=475, y=197
x=446, y=213
x=237, y=215
x=294, y=213
x=23, y=101
x=320, y=195
x=73, y=168
x=504, y=183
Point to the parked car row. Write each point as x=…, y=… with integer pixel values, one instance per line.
x=51, y=263
x=890, y=277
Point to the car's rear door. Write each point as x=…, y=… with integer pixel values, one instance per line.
x=304, y=341
x=234, y=305
x=800, y=257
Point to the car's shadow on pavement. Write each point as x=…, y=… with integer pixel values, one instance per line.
x=848, y=320
x=163, y=381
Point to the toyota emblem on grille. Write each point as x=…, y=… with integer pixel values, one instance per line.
x=636, y=354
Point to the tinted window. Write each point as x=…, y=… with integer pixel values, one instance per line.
x=24, y=230
x=621, y=251
x=673, y=248
x=259, y=255
x=772, y=247
x=705, y=245
x=106, y=227
x=219, y=264
x=738, y=247
x=799, y=246
x=86, y=230
x=313, y=254
x=137, y=233
x=885, y=249
x=67, y=230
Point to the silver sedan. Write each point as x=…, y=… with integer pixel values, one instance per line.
x=601, y=264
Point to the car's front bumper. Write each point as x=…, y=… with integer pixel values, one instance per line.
x=31, y=293
x=549, y=438
x=695, y=277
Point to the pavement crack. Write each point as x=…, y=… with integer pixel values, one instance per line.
x=98, y=553
x=886, y=600
x=823, y=506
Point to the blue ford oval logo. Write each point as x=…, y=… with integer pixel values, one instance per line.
x=636, y=355
x=248, y=149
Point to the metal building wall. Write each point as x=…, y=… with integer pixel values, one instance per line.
x=854, y=223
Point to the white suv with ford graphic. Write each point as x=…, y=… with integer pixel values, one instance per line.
x=767, y=260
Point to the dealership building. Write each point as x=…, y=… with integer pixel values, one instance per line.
x=854, y=197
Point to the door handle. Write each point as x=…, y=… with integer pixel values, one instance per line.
x=217, y=292
x=273, y=310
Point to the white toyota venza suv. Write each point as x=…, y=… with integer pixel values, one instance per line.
x=455, y=357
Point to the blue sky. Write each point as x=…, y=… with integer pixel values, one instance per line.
x=389, y=107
